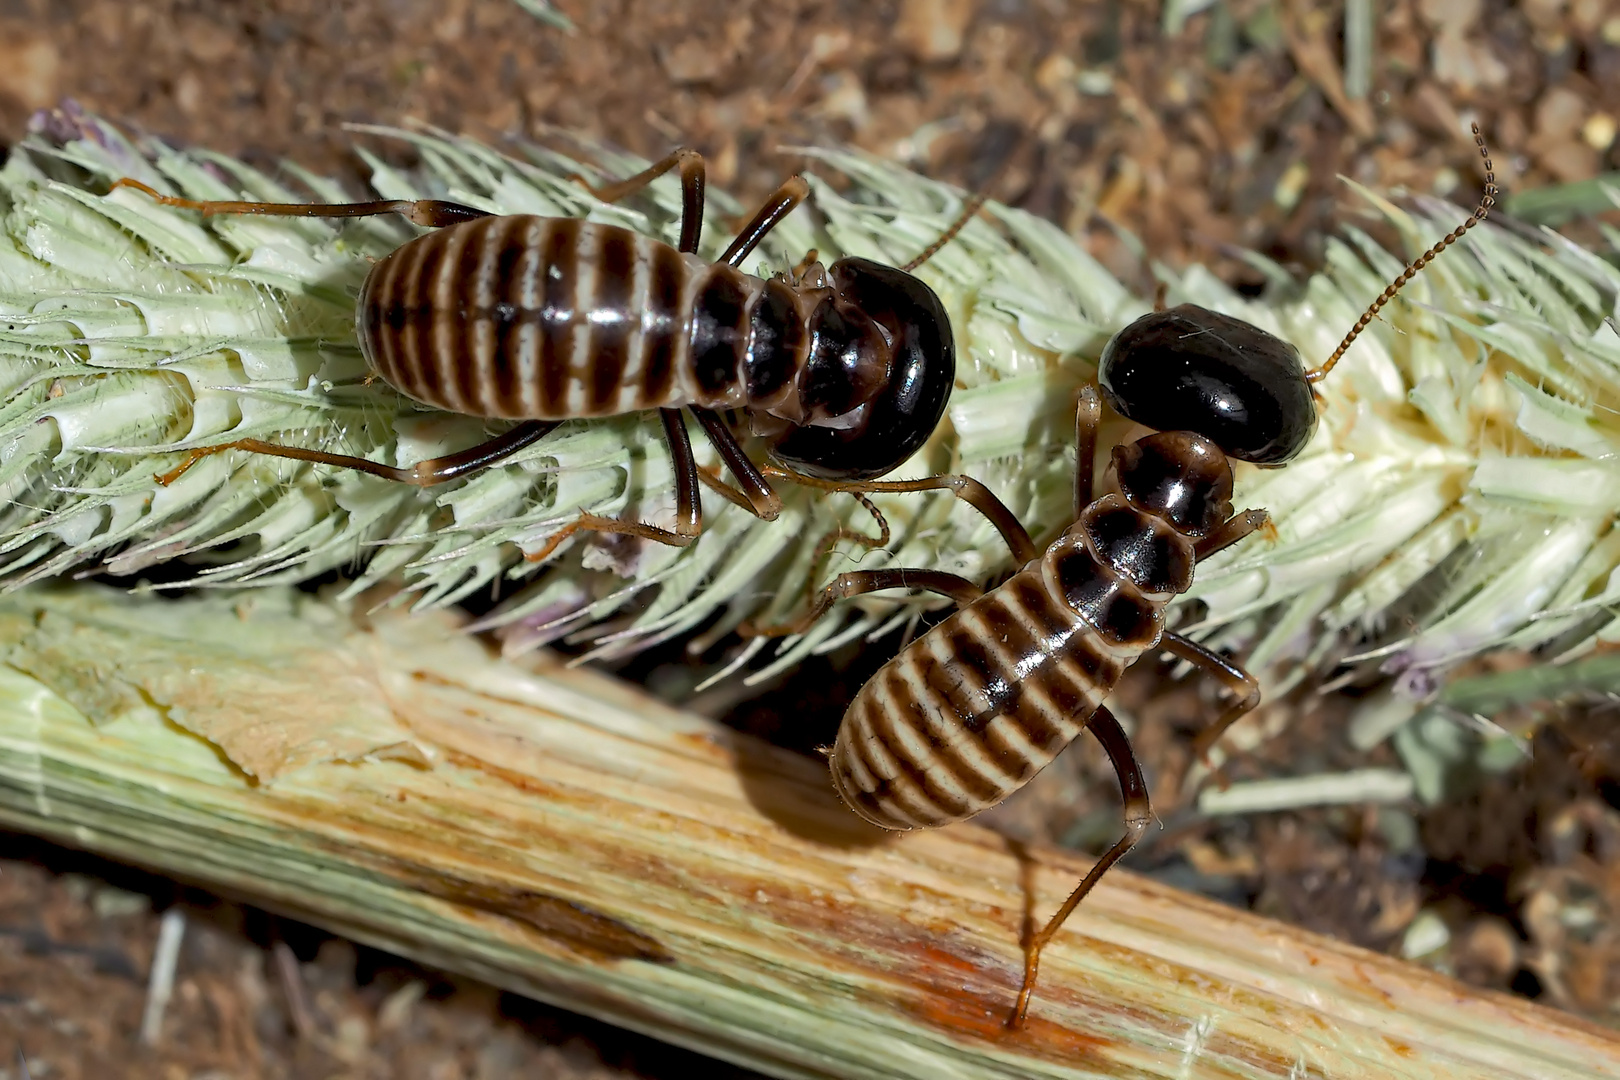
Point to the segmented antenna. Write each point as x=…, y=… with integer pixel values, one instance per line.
x=969, y=208
x=977, y=200
x=1486, y=201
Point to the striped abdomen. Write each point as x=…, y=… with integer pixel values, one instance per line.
x=551, y=318
x=973, y=709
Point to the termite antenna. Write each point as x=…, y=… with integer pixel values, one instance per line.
x=1486, y=202
x=971, y=207
x=975, y=202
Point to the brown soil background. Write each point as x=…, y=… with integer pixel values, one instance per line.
x=1230, y=133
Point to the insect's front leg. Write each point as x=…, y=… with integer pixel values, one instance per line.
x=756, y=496
x=792, y=192
x=1231, y=531
x=694, y=175
x=1087, y=415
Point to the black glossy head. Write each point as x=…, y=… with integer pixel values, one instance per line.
x=1180, y=476
x=920, y=363
x=1189, y=369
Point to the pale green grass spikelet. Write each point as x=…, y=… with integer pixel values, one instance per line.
x=1459, y=495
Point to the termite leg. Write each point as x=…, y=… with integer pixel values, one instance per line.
x=1244, y=687
x=762, y=502
x=688, y=510
x=858, y=582
x=965, y=488
x=802, y=267
x=428, y=213
x=694, y=176
x=792, y=192
x=1138, y=813
x=827, y=542
x=870, y=543
x=1230, y=532
x=825, y=546
x=422, y=474
x=1087, y=415
x=712, y=481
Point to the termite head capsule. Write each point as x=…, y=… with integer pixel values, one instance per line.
x=913, y=346
x=1189, y=369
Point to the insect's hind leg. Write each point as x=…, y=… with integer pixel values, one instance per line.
x=688, y=509
x=694, y=177
x=422, y=474
x=1138, y=814
x=859, y=582
x=428, y=213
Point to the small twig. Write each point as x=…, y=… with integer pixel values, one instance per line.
x=1314, y=58
x=396, y=1008
x=546, y=13
x=160, y=985
x=1323, y=789
x=236, y=1036
x=1177, y=12
x=1358, y=48
x=292, y=985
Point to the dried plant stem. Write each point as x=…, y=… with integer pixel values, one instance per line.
x=563, y=835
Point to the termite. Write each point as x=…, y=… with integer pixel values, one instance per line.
x=969, y=712
x=844, y=371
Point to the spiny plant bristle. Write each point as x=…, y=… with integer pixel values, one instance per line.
x=1458, y=497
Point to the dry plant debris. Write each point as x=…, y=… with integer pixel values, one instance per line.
x=1240, y=141
x=77, y=937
